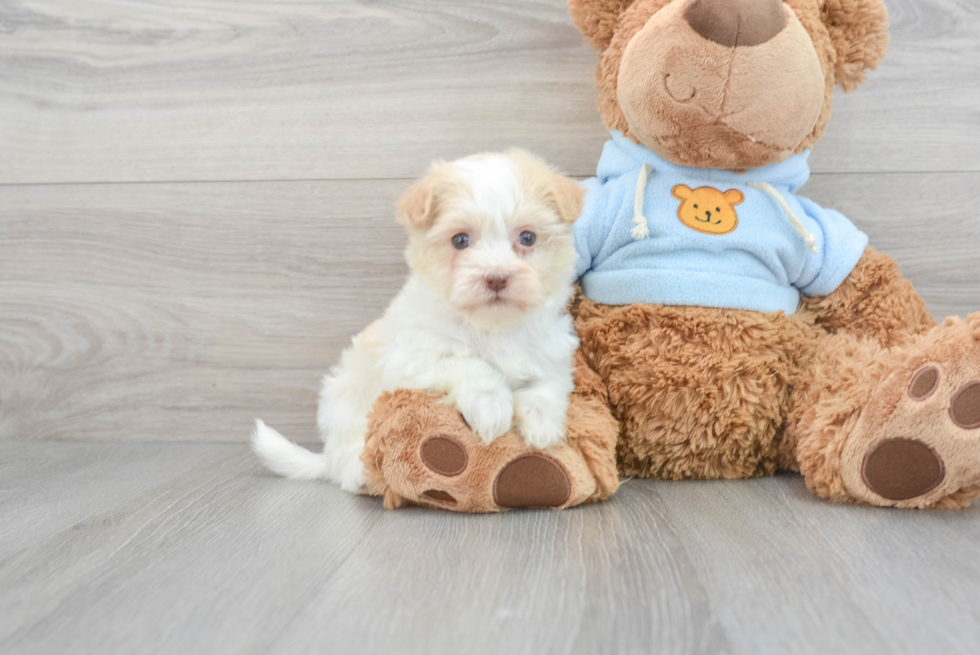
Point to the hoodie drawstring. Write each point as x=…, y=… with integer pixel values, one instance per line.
x=640, y=229
x=811, y=241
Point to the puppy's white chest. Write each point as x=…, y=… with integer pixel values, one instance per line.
x=516, y=363
x=525, y=355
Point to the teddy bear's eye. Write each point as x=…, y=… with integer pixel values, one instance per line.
x=461, y=241
x=695, y=206
x=718, y=209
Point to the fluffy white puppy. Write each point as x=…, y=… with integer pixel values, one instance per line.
x=482, y=318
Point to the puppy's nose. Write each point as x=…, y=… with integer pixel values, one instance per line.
x=736, y=22
x=496, y=283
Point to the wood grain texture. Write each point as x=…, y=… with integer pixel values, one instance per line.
x=224, y=90
x=209, y=554
x=181, y=312
x=205, y=304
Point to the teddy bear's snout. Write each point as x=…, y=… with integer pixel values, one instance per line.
x=735, y=23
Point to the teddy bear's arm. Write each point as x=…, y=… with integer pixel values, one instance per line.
x=874, y=301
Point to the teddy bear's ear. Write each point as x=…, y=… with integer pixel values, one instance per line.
x=597, y=19
x=859, y=32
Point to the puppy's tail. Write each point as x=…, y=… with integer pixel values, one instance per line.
x=284, y=457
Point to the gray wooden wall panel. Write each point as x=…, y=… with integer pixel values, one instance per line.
x=182, y=311
x=224, y=90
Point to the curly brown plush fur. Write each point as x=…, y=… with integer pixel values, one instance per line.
x=876, y=302
x=700, y=393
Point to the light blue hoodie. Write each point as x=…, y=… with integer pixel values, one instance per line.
x=762, y=265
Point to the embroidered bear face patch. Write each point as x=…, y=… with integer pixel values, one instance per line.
x=708, y=210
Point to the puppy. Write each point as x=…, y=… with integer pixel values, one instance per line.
x=482, y=318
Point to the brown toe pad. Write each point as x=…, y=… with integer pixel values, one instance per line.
x=924, y=383
x=965, y=407
x=444, y=455
x=533, y=480
x=900, y=469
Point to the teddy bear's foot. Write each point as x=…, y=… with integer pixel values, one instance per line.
x=917, y=441
x=528, y=480
x=419, y=450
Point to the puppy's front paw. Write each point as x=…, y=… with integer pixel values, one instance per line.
x=489, y=412
x=540, y=419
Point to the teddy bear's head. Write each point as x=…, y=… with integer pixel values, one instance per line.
x=730, y=84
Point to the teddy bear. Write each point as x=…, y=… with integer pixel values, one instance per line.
x=729, y=327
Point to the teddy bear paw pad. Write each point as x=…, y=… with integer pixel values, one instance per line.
x=900, y=469
x=965, y=407
x=444, y=455
x=532, y=480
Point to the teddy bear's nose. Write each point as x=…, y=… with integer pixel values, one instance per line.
x=736, y=22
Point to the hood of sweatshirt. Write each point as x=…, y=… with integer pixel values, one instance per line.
x=621, y=156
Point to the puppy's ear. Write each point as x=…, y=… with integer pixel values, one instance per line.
x=568, y=196
x=859, y=31
x=417, y=207
x=597, y=19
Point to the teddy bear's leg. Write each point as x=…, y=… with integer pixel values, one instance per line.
x=419, y=449
x=700, y=393
x=887, y=411
x=893, y=427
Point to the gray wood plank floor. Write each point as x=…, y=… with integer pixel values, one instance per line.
x=195, y=215
x=192, y=548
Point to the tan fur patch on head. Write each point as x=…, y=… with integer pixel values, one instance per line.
x=548, y=186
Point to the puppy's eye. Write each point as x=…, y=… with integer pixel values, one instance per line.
x=461, y=241
x=527, y=239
